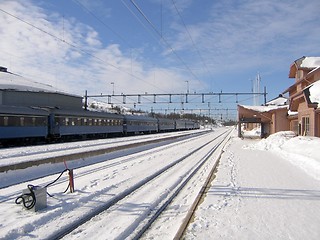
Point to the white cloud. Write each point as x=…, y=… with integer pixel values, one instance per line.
x=250, y=33
x=70, y=56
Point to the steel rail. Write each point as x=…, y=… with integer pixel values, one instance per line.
x=73, y=225
x=77, y=176
x=145, y=228
x=206, y=186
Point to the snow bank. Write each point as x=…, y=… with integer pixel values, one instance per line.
x=300, y=151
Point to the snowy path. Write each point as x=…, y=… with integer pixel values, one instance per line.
x=258, y=195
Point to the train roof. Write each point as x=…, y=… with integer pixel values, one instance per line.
x=14, y=82
x=166, y=120
x=22, y=110
x=139, y=118
x=84, y=113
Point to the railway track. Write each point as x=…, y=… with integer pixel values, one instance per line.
x=105, y=203
x=96, y=168
x=67, y=152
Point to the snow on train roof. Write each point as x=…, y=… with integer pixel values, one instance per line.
x=11, y=81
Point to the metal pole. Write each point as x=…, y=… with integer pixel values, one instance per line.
x=86, y=100
x=112, y=88
x=187, y=86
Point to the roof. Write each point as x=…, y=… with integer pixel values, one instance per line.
x=304, y=63
x=263, y=108
x=23, y=110
x=13, y=82
x=312, y=72
x=278, y=101
x=314, y=91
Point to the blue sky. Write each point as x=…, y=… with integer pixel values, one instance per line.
x=155, y=46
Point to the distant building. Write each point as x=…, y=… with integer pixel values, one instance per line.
x=300, y=113
x=271, y=118
x=19, y=91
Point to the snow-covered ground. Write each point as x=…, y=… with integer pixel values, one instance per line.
x=264, y=189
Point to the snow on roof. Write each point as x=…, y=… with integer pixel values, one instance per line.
x=315, y=92
x=279, y=101
x=310, y=62
x=10, y=81
x=263, y=108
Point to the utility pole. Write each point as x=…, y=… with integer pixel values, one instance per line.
x=187, y=86
x=112, y=83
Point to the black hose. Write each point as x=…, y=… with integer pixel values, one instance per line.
x=29, y=199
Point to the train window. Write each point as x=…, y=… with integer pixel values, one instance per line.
x=21, y=121
x=14, y=121
x=39, y=121
x=66, y=121
x=33, y=121
x=28, y=121
x=4, y=121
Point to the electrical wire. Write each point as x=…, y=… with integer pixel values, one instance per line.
x=29, y=199
x=77, y=48
x=164, y=40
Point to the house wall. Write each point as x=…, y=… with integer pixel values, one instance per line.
x=317, y=125
x=294, y=126
x=317, y=76
x=281, y=122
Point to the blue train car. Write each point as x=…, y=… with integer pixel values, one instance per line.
x=180, y=124
x=166, y=124
x=139, y=124
x=64, y=123
x=22, y=123
x=190, y=124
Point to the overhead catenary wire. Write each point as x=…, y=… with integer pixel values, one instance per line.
x=192, y=41
x=164, y=40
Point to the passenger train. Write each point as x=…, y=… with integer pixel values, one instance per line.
x=32, y=125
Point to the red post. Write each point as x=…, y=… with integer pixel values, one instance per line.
x=71, y=182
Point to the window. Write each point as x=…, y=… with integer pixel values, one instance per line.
x=305, y=126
